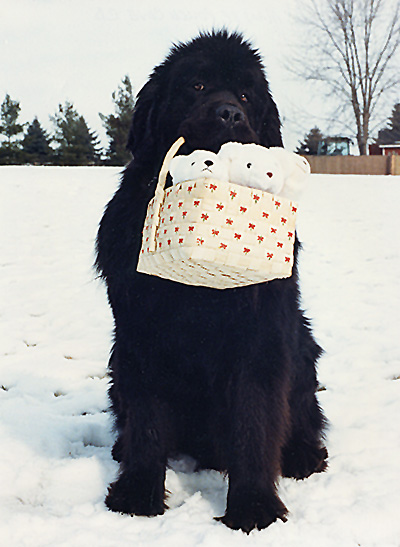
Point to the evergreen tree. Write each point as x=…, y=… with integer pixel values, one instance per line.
x=391, y=133
x=9, y=116
x=310, y=144
x=10, y=152
x=77, y=145
x=117, y=125
x=36, y=145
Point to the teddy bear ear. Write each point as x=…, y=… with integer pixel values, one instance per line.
x=176, y=165
x=230, y=149
x=305, y=164
x=175, y=161
x=302, y=165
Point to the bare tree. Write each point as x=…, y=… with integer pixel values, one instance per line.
x=352, y=48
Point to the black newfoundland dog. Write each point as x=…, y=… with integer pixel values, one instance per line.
x=226, y=376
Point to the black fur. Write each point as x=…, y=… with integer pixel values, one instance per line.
x=226, y=376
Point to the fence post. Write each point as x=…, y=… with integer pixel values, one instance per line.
x=394, y=165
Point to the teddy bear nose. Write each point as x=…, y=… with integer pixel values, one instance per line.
x=209, y=163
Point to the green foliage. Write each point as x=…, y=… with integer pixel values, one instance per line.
x=77, y=145
x=10, y=150
x=74, y=142
x=10, y=154
x=9, y=117
x=117, y=125
x=391, y=133
x=309, y=146
x=36, y=145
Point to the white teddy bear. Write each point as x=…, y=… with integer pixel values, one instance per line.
x=296, y=171
x=273, y=170
x=199, y=164
x=252, y=165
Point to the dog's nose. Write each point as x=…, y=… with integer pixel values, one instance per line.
x=229, y=114
x=209, y=163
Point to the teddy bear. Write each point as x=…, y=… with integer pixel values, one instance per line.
x=296, y=171
x=273, y=170
x=253, y=166
x=197, y=165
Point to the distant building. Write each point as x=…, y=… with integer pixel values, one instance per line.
x=390, y=149
x=374, y=149
x=334, y=146
x=385, y=149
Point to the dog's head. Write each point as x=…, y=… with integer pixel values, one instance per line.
x=211, y=90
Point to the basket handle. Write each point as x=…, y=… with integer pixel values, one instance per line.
x=162, y=177
x=159, y=193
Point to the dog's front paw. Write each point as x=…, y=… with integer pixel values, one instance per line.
x=135, y=496
x=248, y=509
x=301, y=460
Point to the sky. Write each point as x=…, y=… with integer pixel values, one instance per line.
x=79, y=50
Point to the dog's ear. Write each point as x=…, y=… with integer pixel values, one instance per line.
x=141, y=139
x=270, y=131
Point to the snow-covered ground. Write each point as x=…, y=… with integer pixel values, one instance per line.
x=55, y=332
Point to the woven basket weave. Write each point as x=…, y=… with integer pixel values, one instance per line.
x=216, y=234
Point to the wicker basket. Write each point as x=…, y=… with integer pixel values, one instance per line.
x=216, y=234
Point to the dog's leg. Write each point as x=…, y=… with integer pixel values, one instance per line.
x=258, y=417
x=304, y=452
x=139, y=489
x=117, y=411
x=142, y=447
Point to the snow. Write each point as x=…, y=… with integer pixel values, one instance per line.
x=55, y=332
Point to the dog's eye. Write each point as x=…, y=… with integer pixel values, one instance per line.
x=199, y=86
x=248, y=165
x=244, y=98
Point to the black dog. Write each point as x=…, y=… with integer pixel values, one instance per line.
x=226, y=376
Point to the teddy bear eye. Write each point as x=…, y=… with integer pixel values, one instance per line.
x=193, y=162
x=244, y=98
x=199, y=86
x=248, y=165
x=269, y=174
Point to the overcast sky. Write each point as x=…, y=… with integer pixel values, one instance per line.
x=79, y=50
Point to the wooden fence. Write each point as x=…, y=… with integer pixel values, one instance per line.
x=355, y=165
